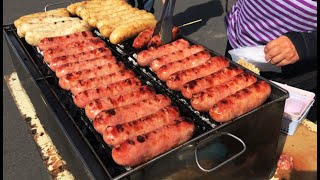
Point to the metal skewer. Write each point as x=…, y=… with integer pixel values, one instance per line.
x=189, y=23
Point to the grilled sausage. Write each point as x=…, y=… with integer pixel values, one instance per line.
x=156, y=41
x=127, y=23
x=87, y=64
x=241, y=102
x=67, y=81
x=99, y=52
x=130, y=30
x=34, y=37
x=211, y=80
x=46, y=19
x=119, y=16
x=130, y=112
x=73, y=48
x=98, y=105
x=147, y=146
x=178, y=79
x=145, y=38
x=72, y=44
x=43, y=26
x=60, y=41
x=83, y=98
x=99, y=81
x=62, y=12
x=142, y=40
x=189, y=62
x=178, y=55
x=204, y=100
x=114, y=135
x=145, y=57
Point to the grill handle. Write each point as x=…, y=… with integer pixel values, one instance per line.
x=224, y=162
x=53, y=4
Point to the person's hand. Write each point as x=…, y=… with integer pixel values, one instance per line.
x=281, y=52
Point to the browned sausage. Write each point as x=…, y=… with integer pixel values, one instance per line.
x=99, y=81
x=204, y=100
x=145, y=57
x=142, y=40
x=98, y=105
x=241, y=102
x=65, y=69
x=99, y=52
x=189, y=62
x=67, y=81
x=178, y=79
x=211, y=80
x=181, y=54
x=144, y=147
x=130, y=112
x=114, y=135
x=156, y=41
x=83, y=98
x=73, y=48
x=50, y=42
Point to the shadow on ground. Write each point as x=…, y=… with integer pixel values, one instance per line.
x=203, y=11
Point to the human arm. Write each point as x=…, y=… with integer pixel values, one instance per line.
x=292, y=47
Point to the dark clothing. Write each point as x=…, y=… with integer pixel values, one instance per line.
x=143, y=4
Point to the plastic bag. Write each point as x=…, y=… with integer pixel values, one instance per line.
x=254, y=55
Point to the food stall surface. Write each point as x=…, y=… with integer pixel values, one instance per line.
x=19, y=148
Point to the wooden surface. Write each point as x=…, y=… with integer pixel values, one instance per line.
x=302, y=146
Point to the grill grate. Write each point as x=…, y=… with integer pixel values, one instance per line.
x=61, y=100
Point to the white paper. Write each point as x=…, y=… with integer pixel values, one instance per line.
x=254, y=55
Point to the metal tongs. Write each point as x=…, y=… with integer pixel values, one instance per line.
x=164, y=26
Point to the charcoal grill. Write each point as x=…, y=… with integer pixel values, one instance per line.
x=246, y=147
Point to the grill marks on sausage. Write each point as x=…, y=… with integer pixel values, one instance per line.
x=147, y=147
x=141, y=126
x=189, y=62
x=84, y=34
x=119, y=128
x=140, y=139
x=241, y=102
x=131, y=112
x=112, y=89
x=200, y=84
x=51, y=42
x=96, y=106
x=145, y=57
x=141, y=41
x=204, y=100
x=85, y=63
x=67, y=81
x=73, y=48
x=130, y=142
x=178, y=79
x=157, y=63
x=111, y=112
x=99, y=81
